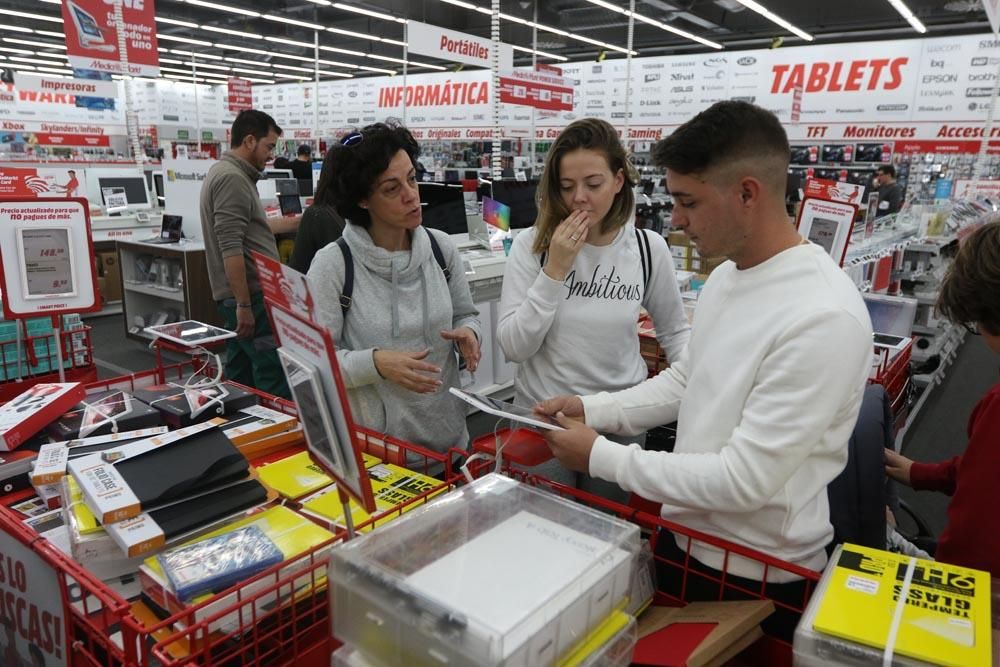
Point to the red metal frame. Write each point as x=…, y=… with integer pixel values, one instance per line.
x=297, y=630
x=78, y=364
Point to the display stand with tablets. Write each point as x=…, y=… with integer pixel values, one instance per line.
x=507, y=410
x=190, y=333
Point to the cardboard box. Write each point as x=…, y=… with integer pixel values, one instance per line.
x=678, y=238
x=112, y=273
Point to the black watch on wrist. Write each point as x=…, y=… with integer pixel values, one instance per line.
x=244, y=305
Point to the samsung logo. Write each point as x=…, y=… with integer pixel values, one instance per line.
x=684, y=63
x=746, y=60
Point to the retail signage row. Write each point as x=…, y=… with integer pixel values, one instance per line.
x=93, y=40
x=912, y=81
x=76, y=87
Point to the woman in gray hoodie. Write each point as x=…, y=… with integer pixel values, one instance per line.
x=410, y=307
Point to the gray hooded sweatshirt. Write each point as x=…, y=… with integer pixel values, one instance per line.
x=401, y=301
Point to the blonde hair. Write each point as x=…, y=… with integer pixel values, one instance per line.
x=590, y=134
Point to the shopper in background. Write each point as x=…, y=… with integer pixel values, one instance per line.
x=234, y=224
x=768, y=390
x=890, y=194
x=396, y=342
x=282, y=163
x=969, y=296
x=301, y=166
x=321, y=224
x=576, y=281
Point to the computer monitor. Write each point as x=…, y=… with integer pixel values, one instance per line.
x=290, y=204
x=305, y=187
x=891, y=315
x=451, y=176
x=520, y=196
x=443, y=207
x=278, y=173
x=286, y=186
x=134, y=186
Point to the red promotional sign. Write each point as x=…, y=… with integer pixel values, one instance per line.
x=541, y=90
x=72, y=139
x=240, y=93
x=42, y=182
x=92, y=36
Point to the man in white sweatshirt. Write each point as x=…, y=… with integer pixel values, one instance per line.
x=769, y=389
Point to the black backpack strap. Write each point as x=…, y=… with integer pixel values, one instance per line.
x=439, y=256
x=348, y=289
x=646, y=255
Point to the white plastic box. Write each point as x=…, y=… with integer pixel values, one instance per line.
x=496, y=573
x=617, y=652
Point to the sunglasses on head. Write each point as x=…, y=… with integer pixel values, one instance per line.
x=352, y=139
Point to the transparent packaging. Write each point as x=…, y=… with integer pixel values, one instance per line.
x=495, y=573
x=616, y=652
x=816, y=649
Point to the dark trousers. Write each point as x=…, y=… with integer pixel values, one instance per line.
x=253, y=361
x=670, y=578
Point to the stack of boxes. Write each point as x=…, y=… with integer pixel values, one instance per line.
x=686, y=257
x=109, y=276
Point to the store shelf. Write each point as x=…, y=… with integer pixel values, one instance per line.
x=945, y=344
x=926, y=331
x=177, y=295
x=110, y=308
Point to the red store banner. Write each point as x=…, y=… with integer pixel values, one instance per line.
x=48, y=139
x=541, y=90
x=240, y=94
x=92, y=36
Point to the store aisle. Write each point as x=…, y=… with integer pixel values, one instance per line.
x=939, y=431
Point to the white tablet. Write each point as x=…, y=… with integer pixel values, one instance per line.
x=507, y=410
x=190, y=333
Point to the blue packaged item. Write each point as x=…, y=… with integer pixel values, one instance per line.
x=217, y=563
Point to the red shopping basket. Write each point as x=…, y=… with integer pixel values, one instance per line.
x=281, y=615
x=37, y=360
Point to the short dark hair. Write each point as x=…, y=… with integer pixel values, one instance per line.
x=251, y=122
x=723, y=133
x=325, y=186
x=282, y=163
x=304, y=149
x=352, y=170
x=970, y=288
x=887, y=169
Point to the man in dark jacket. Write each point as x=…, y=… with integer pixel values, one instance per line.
x=890, y=194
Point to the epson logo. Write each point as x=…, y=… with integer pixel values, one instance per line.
x=650, y=103
x=937, y=92
x=940, y=78
x=682, y=77
x=418, y=119
x=750, y=99
x=714, y=62
x=649, y=78
x=892, y=107
x=979, y=92
x=682, y=89
x=746, y=60
x=987, y=76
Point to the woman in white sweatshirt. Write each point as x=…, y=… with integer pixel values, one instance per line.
x=576, y=280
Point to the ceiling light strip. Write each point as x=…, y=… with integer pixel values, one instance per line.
x=774, y=18
x=905, y=12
